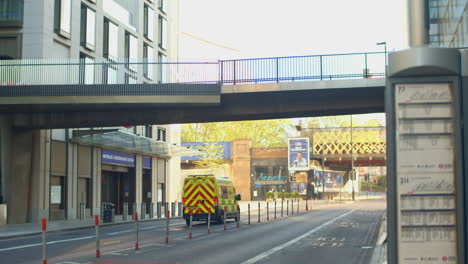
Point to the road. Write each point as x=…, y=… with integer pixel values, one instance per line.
x=340, y=233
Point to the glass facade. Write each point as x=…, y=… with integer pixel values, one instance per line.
x=149, y=23
x=448, y=23
x=111, y=40
x=162, y=33
x=11, y=13
x=131, y=50
x=62, y=20
x=88, y=27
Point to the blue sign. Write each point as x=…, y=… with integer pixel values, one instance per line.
x=117, y=158
x=338, y=179
x=147, y=162
x=298, y=154
x=258, y=185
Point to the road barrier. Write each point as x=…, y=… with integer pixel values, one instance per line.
x=44, y=241
x=248, y=213
x=191, y=219
x=225, y=220
x=136, y=227
x=167, y=225
x=209, y=223
x=259, y=212
x=96, y=223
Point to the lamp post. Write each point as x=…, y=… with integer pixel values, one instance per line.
x=384, y=43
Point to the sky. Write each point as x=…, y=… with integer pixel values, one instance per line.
x=228, y=29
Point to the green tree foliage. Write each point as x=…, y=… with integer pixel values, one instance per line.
x=263, y=133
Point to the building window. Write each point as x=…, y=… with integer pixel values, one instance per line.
x=86, y=69
x=161, y=134
x=162, y=71
x=62, y=19
x=162, y=33
x=163, y=6
x=149, y=23
x=110, y=74
x=148, y=131
x=131, y=51
x=88, y=27
x=148, y=54
x=111, y=40
x=12, y=13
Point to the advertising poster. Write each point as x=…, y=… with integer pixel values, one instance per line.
x=298, y=154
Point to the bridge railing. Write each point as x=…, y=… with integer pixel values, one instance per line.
x=303, y=68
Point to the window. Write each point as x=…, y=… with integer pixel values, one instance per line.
x=131, y=48
x=163, y=6
x=111, y=40
x=12, y=13
x=162, y=33
x=161, y=134
x=88, y=27
x=110, y=74
x=86, y=69
x=62, y=19
x=149, y=58
x=149, y=23
x=224, y=192
x=148, y=131
x=162, y=71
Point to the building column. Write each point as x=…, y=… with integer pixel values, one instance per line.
x=154, y=180
x=138, y=181
x=72, y=180
x=241, y=167
x=96, y=179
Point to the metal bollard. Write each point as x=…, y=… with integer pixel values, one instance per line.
x=238, y=216
x=44, y=242
x=282, y=208
x=248, y=213
x=151, y=212
x=287, y=207
x=191, y=219
x=173, y=209
x=134, y=209
x=268, y=212
x=167, y=226
x=298, y=202
x=259, y=212
x=209, y=223
x=292, y=206
x=143, y=211
x=125, y=211
x=158, y=210
x=103, y=204
x=225, y=220
x=96, y=223
x=275, y=209
x=82, y=211
x=166, y=206
x=136, y=226
x=179, y=213
x=307, y=205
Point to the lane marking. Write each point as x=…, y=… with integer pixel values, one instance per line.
x=48, y=243
x=112, y=242
x=293, y=241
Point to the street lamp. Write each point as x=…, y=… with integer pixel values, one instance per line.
x=384, y=43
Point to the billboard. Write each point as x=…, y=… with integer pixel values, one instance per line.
x=298, y=154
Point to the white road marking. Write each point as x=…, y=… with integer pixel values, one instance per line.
x=48, y=243
x=112, y=242
x=291, y=242
x=120, y=232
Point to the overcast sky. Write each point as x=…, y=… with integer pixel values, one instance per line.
x=259, y=28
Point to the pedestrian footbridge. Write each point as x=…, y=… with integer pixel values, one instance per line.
x=83, y=93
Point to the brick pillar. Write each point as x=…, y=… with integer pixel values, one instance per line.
x=241, y=167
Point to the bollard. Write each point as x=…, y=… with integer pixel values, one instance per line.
x=287, y=207
x=166, y=206
x=209, y=222
x=307, y=205
x=96, y=223
x=158, y=210
x=268, y=212
x=167, y=226
x=134, y=210
x=225, y=220
x=275, y=209
x=298, y=202
x=248, y=213
x=143, y=211
x=282, y=208
x=151, y=212
x=259, y=211
x=238, y=216
x=125, y=212
x=292, y=206
x=82, y=211
x=103, y=205
x=191, y=219
x=44, y=242
x=179, y=213
x=136, y=226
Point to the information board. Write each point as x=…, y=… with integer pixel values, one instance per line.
x=425, y=170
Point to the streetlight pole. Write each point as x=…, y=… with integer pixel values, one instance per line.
x=384, y=43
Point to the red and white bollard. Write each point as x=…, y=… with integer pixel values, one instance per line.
x=136, y=226
x=96, y=223
x=168, y=215
x=44, y=242
x=191, y=218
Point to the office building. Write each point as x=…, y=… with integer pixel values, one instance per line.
x=448, y=23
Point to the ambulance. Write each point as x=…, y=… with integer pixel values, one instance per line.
x=207, y=194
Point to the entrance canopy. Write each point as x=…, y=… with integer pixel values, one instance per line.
x=127, y=142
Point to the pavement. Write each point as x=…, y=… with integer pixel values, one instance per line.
x=329, y=233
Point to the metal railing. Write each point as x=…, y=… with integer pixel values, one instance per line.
x=226, y=72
